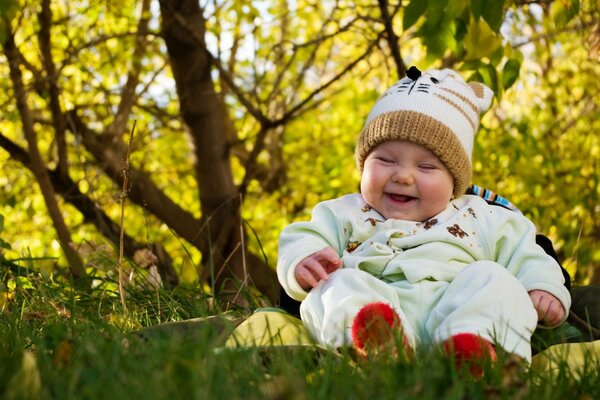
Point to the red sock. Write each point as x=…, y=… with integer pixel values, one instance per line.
x=374, y=326
x=472, y=350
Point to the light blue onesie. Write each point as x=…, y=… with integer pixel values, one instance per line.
x=466, y=270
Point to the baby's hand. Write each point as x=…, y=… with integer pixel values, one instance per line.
x=549, y=309
x=316, y=267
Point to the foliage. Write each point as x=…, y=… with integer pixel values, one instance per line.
x=293, y=83
x=56, y=346
x=546, y=128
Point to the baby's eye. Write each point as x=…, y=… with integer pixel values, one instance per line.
x=385, y=159
x=428, y=166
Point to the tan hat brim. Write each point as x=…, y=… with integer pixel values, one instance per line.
x=422, y=129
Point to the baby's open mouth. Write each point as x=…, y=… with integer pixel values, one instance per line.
x=401, y=198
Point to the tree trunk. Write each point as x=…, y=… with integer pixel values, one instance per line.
x=226, y=263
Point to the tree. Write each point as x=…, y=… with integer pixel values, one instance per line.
x=549, y=123
x=233, y=104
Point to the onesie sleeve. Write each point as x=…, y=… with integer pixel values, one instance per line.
x=327, y=227
x=513, y=245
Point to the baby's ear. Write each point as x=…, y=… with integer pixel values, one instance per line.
x=483, y=94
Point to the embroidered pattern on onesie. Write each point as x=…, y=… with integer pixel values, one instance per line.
x=457, y=231
x=429, y=223
x=351, y=246
x=373, y=221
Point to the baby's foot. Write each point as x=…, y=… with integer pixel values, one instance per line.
x=374, y=330
x=471, y=350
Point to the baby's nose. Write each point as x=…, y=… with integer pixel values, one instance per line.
x=403, y=176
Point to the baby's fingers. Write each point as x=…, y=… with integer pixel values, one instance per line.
x=329, y=259
x=309, y=272
x=555, y=314
x=305, y=278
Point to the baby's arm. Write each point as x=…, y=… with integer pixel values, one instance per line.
x=316, y=267
x=330, y=226
x=549, y=309
x=514, y=246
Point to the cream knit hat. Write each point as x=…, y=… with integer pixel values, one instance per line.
x=436, y=109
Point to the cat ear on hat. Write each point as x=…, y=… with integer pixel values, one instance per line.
x=483, y=94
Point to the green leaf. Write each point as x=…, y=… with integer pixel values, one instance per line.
x=436, y=12
x=480, y=40
x=490, y=76
x=563, y=11
x=8, y=9
x=23, y=282
x=497, y=56
x=510, y=72
x=470, y=65
x=461, y=28
x=412, y=13
x=490, y=10
x=439, y=42
x=457, y=9
x=475, y=77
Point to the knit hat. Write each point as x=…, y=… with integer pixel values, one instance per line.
x=436, y=109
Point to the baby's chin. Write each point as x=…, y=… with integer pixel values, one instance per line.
x=401, y=215
x=408, y=215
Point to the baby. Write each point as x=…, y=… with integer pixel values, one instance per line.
x=411, y=249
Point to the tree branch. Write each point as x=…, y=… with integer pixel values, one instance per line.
x=93, y=214
x=109, y=152
x=44, y=35
x=392, y=39
x=37, y=164
x=299, y=108
x=128, y=97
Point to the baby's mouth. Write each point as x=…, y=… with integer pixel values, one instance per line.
x=401, y=198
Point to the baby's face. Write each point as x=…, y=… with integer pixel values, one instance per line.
x=404, y=180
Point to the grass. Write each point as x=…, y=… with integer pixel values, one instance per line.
x=58, y=344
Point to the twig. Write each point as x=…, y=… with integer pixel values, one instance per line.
x=122, y=198
x=245, y=267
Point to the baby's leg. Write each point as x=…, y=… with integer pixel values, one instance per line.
x=329, y=309
x=487, y=300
